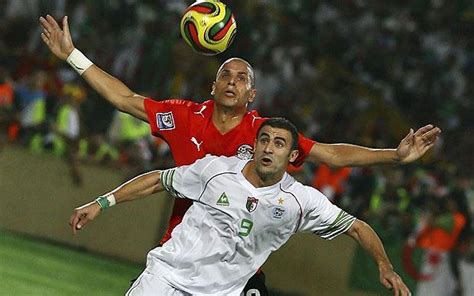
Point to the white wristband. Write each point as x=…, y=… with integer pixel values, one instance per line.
x=78, y=61
x=106, y=201
x=111, y=199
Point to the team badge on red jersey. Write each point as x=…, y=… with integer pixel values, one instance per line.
x=252, y=203
x=165, y=121
x=244, y=152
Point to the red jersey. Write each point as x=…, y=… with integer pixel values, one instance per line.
x=188, y=129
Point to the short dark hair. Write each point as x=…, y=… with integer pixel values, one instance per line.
x=283, y=123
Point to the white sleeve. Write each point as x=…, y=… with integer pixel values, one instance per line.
x=323, y=218
x=187, y=181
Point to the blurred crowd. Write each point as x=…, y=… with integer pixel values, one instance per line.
x=356, y=71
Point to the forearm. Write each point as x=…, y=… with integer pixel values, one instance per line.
x=138, y=187
x=369, y=240
x=115, y=92
x=343, y=155
x=109, y=87
x=60, y=43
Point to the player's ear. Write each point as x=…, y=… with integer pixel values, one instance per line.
x=293, y=155
x=253, y=93
x=213, y=88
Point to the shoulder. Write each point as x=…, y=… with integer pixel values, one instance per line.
x=224, y=163
x=304, y=194
x=170, y=103
x=186, y=105
x=174, y=113
x=254, y=119
x=211, y=165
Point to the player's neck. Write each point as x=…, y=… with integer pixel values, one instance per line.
x=258, y=180
x=225, y=119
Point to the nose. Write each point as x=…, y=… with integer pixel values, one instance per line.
x=231, y=80
x=268, y=148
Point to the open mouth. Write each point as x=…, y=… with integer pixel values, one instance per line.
x=229, y=93
x=266, y=161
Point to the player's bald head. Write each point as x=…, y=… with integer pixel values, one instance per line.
x=247, y=64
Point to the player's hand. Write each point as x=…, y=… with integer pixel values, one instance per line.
x=82, y=215
x=58, y=40
x=392, y=281
x=415, y=144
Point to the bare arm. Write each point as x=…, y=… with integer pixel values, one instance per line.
x=368, y=239
x=139, y=187
x=411, y=148
x=113, y=90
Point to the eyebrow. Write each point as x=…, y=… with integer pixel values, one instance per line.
x=228, y=71
x=276, y=138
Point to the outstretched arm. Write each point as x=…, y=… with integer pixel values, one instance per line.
x=411, y=148
x=139, y=187
x=113, y=90
x=368, y=239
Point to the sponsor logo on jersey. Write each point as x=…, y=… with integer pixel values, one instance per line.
x=165, y=121
x=244, y=152
x=200, y=111
x=195, y=142
x=251, y=204
x=277, y=212
x=223, y=200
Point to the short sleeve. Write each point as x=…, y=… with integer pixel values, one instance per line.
x=187, y=181
x=304, y=147
x=168, y=116
x=323, y=218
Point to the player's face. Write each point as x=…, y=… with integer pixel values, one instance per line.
x=273, y=151
x=233, y=87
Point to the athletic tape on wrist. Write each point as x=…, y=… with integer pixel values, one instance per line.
x=78, y=61
x=106, y=201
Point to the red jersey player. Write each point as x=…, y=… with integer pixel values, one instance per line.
x=190, y=132
x=223, y=126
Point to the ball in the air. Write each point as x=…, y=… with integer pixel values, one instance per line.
x=208, y=27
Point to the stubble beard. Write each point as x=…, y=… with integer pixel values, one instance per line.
x=268, y=175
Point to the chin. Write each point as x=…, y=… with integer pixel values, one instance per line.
x=265, y=171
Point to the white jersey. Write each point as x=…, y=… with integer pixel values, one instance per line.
x=232, y=227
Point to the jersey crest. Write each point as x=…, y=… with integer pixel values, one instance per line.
x=251, y=204
x=244, y=152
x=165, y=121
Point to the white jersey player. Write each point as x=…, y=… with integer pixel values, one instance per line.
x=243, y=211
x=233, y=226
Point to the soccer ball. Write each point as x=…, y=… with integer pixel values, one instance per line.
x=208, y=27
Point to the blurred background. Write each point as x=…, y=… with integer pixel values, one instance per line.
x=361, y=72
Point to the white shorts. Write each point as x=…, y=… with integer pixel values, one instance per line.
x=148, y=284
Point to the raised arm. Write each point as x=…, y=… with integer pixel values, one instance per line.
x=113, y=90
x=411, y=148
x=139, y=187
x=368, y=239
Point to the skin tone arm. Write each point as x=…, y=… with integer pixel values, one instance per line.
x=139, y=187
x=411, y=148
x=368, y=239
x=113, y=90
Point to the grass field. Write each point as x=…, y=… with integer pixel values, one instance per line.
x=34, y=267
